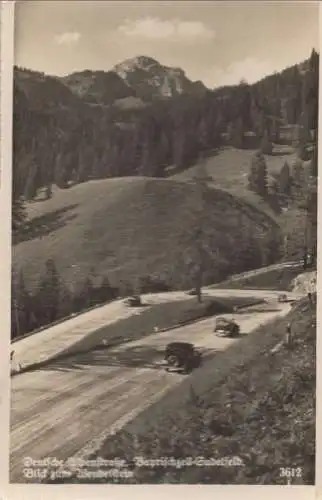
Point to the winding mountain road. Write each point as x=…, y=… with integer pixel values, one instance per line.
x=71, y=405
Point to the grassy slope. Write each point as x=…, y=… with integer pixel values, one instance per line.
x=229, y=170
x=124, y=228
x=261, y=409
x=230, y=167
x=279, y=279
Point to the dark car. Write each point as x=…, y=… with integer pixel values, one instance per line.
x=226, y=327
x=282, y=297
x=181, y=356
x=134, y=301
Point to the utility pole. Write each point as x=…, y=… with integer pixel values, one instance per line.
x=306, y=231
x=309, y=222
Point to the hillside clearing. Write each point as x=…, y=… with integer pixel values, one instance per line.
x=230, y=167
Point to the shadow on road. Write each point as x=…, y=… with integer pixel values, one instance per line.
x=255, y=310
x=142, y=356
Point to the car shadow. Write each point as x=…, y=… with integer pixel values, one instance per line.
x=241, y=334
x=281, y=153
x=257, y=311
x=139, y=356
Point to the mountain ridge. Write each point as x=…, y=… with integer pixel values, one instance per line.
x=140, y=77
x=100, y=126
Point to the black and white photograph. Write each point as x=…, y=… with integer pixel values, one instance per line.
x=164, y=243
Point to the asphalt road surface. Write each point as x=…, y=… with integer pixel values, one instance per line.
x=69, y=407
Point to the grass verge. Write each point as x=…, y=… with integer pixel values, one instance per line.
x=277, y=279
x=260, y=408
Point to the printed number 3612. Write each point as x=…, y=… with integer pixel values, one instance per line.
x=290, y=472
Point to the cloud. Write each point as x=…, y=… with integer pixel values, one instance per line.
x=249, y=69
x=174, y=30
x=68, y=38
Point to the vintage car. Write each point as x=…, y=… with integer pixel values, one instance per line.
x=134, y=301
x=282, y=297
x=182, y=357
x=226, y=327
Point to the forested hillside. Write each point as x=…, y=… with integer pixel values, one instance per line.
x=61, y=137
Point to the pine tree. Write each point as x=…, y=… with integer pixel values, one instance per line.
x=312, y=90
x=277, y=115
x=31, y=185
x=299, y=180
x=257, y=179
x=65, y=306
x=274, y=201
x=298, y=172
x=49, y=191
x=249, y=254
x=107, y=292
x=285, y=180
x=302, y=150
x=19, y=215
x=314, y=162
x=20, y=306
x=236, y=133
x=266, y=146
x=86, y=294
x=49, y=295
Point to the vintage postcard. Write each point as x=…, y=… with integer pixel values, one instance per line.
x=163, y=249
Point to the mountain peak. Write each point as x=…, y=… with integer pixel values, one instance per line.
x=145, y=61
x=151, y=79
x=133, y=64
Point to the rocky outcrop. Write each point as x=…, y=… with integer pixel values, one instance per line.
x=305, y=283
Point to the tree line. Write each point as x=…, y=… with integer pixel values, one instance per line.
x=54, y=299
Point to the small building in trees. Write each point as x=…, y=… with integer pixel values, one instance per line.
x=290, y=134
x=251, y=140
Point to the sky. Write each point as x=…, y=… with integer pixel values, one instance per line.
x=219, y=43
